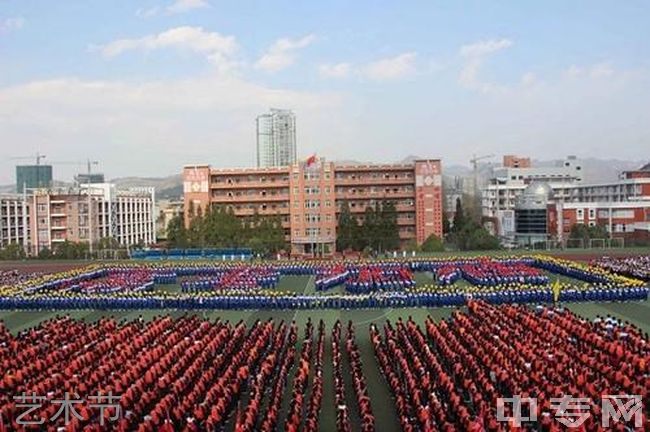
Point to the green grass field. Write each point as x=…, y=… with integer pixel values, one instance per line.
x=637, y=313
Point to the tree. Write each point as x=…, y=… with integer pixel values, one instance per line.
x=585, y=233
x=45, y=253
x=267, y=235
x=369, y=229
x=388, y=229
x=176, y=232
x=412, y=246
x=71, y=250
x=446, y=224
x=459, y=217
x=347, y=232
x=432, y=244
x=481, y=239
x=107, y=243
x=13, y=251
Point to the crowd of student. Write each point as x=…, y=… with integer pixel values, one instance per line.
x=636, y=267
x=376, y=284
x=359, y=382
x=342, y=414
x=331, y=276
x=173, y=374
x=373, y=278
x=17, y=277
x=246, y=278
x=492, y=273
x=448, y=376
x=114, y=281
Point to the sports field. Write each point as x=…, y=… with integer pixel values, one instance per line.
x=637, y=313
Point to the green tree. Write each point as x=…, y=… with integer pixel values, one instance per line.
x=585, y=233
x=459, y=217
x=432, y=244
x=480, y=239
x=196, y=231
x=13, y=251
x=71, y=250
x=446, y=225
x=369, y=231
x=45, y=253
x=388, y=230
x=176, y=232
x=267, y=235
x=347, y=230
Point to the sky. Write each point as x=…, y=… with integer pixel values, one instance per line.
x=146, y=87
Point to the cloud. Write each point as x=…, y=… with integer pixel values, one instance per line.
x=390, y=68
x=528, y=79
x=173, y=122
x=598, y=70
x=11, y=24
x=338, y=70
x=281, y=54
x=182, y=6
x=147, y=13
x=217, y=49
x=474, y=56
x=178, y=7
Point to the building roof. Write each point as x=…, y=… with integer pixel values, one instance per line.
x=645, y=167
x=539, y=189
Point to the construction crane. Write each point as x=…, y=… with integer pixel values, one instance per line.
x=37, y=156
x=88, y=163
x=474, y=161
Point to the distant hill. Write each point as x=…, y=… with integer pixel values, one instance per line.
x=170, y=187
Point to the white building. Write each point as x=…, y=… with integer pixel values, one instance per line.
x=14, y=220
x=127, y=215
x=499, y=196
x=70, y=214
x=276, y=138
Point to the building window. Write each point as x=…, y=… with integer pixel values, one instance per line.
x=592, y=213
x=580, y=214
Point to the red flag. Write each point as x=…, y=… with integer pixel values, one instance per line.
x=311, y=160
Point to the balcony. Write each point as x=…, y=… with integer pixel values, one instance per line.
x=59, y=227
x=374, y=195
x=267, y=212
x=373, y=181
x=224, y=199
x=254, y=184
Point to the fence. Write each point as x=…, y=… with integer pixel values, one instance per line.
x=227, y=254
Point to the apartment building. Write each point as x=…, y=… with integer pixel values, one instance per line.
x=73, y=214
x=308, y=196
x=14, y=220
